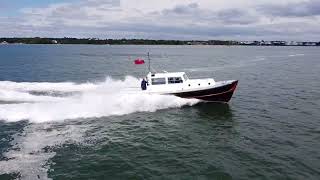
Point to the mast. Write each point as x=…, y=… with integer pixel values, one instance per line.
x=149, y=62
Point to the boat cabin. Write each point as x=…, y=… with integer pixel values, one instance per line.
x=174, y=81
x=166, y=78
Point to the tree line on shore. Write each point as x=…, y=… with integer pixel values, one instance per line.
x=67, y=40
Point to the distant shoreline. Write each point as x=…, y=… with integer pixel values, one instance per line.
x=94, y=41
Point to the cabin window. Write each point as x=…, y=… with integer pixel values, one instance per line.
x=158, y=81
x=174, y=80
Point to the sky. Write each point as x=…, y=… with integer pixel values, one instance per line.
x=289, y=20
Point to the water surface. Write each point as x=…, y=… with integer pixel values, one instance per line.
x=65, y=115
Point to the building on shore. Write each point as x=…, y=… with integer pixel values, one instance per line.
x=310, y=43
x=292, y=43
x=265, y=43
x=246, y=43
x=278, y=43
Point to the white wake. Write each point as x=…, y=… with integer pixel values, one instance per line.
x=33, y=148
x=44, y=101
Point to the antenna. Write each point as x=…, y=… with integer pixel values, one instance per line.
x=149, y=61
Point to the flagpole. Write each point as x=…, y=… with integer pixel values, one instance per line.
x=149, y=61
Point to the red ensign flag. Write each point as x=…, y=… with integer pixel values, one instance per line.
x=139, y=61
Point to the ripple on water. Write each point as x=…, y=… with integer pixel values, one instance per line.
x=269, y=130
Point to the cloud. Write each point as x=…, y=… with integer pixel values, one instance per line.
x=109, y=15
x=296, y=9
x=193, y=11
x=83, y=13
x=169, y=19
x=182, y=9
x=237, y=16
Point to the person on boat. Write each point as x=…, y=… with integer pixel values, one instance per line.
x=144, y=84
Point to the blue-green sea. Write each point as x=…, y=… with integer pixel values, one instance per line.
x=65, y=113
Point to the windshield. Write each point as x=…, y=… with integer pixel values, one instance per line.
x=185, y=77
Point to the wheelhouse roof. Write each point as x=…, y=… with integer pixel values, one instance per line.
x=166, y=74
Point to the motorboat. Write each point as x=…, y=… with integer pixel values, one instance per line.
x=178, y=84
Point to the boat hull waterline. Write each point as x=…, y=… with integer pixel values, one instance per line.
x=221, y=93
